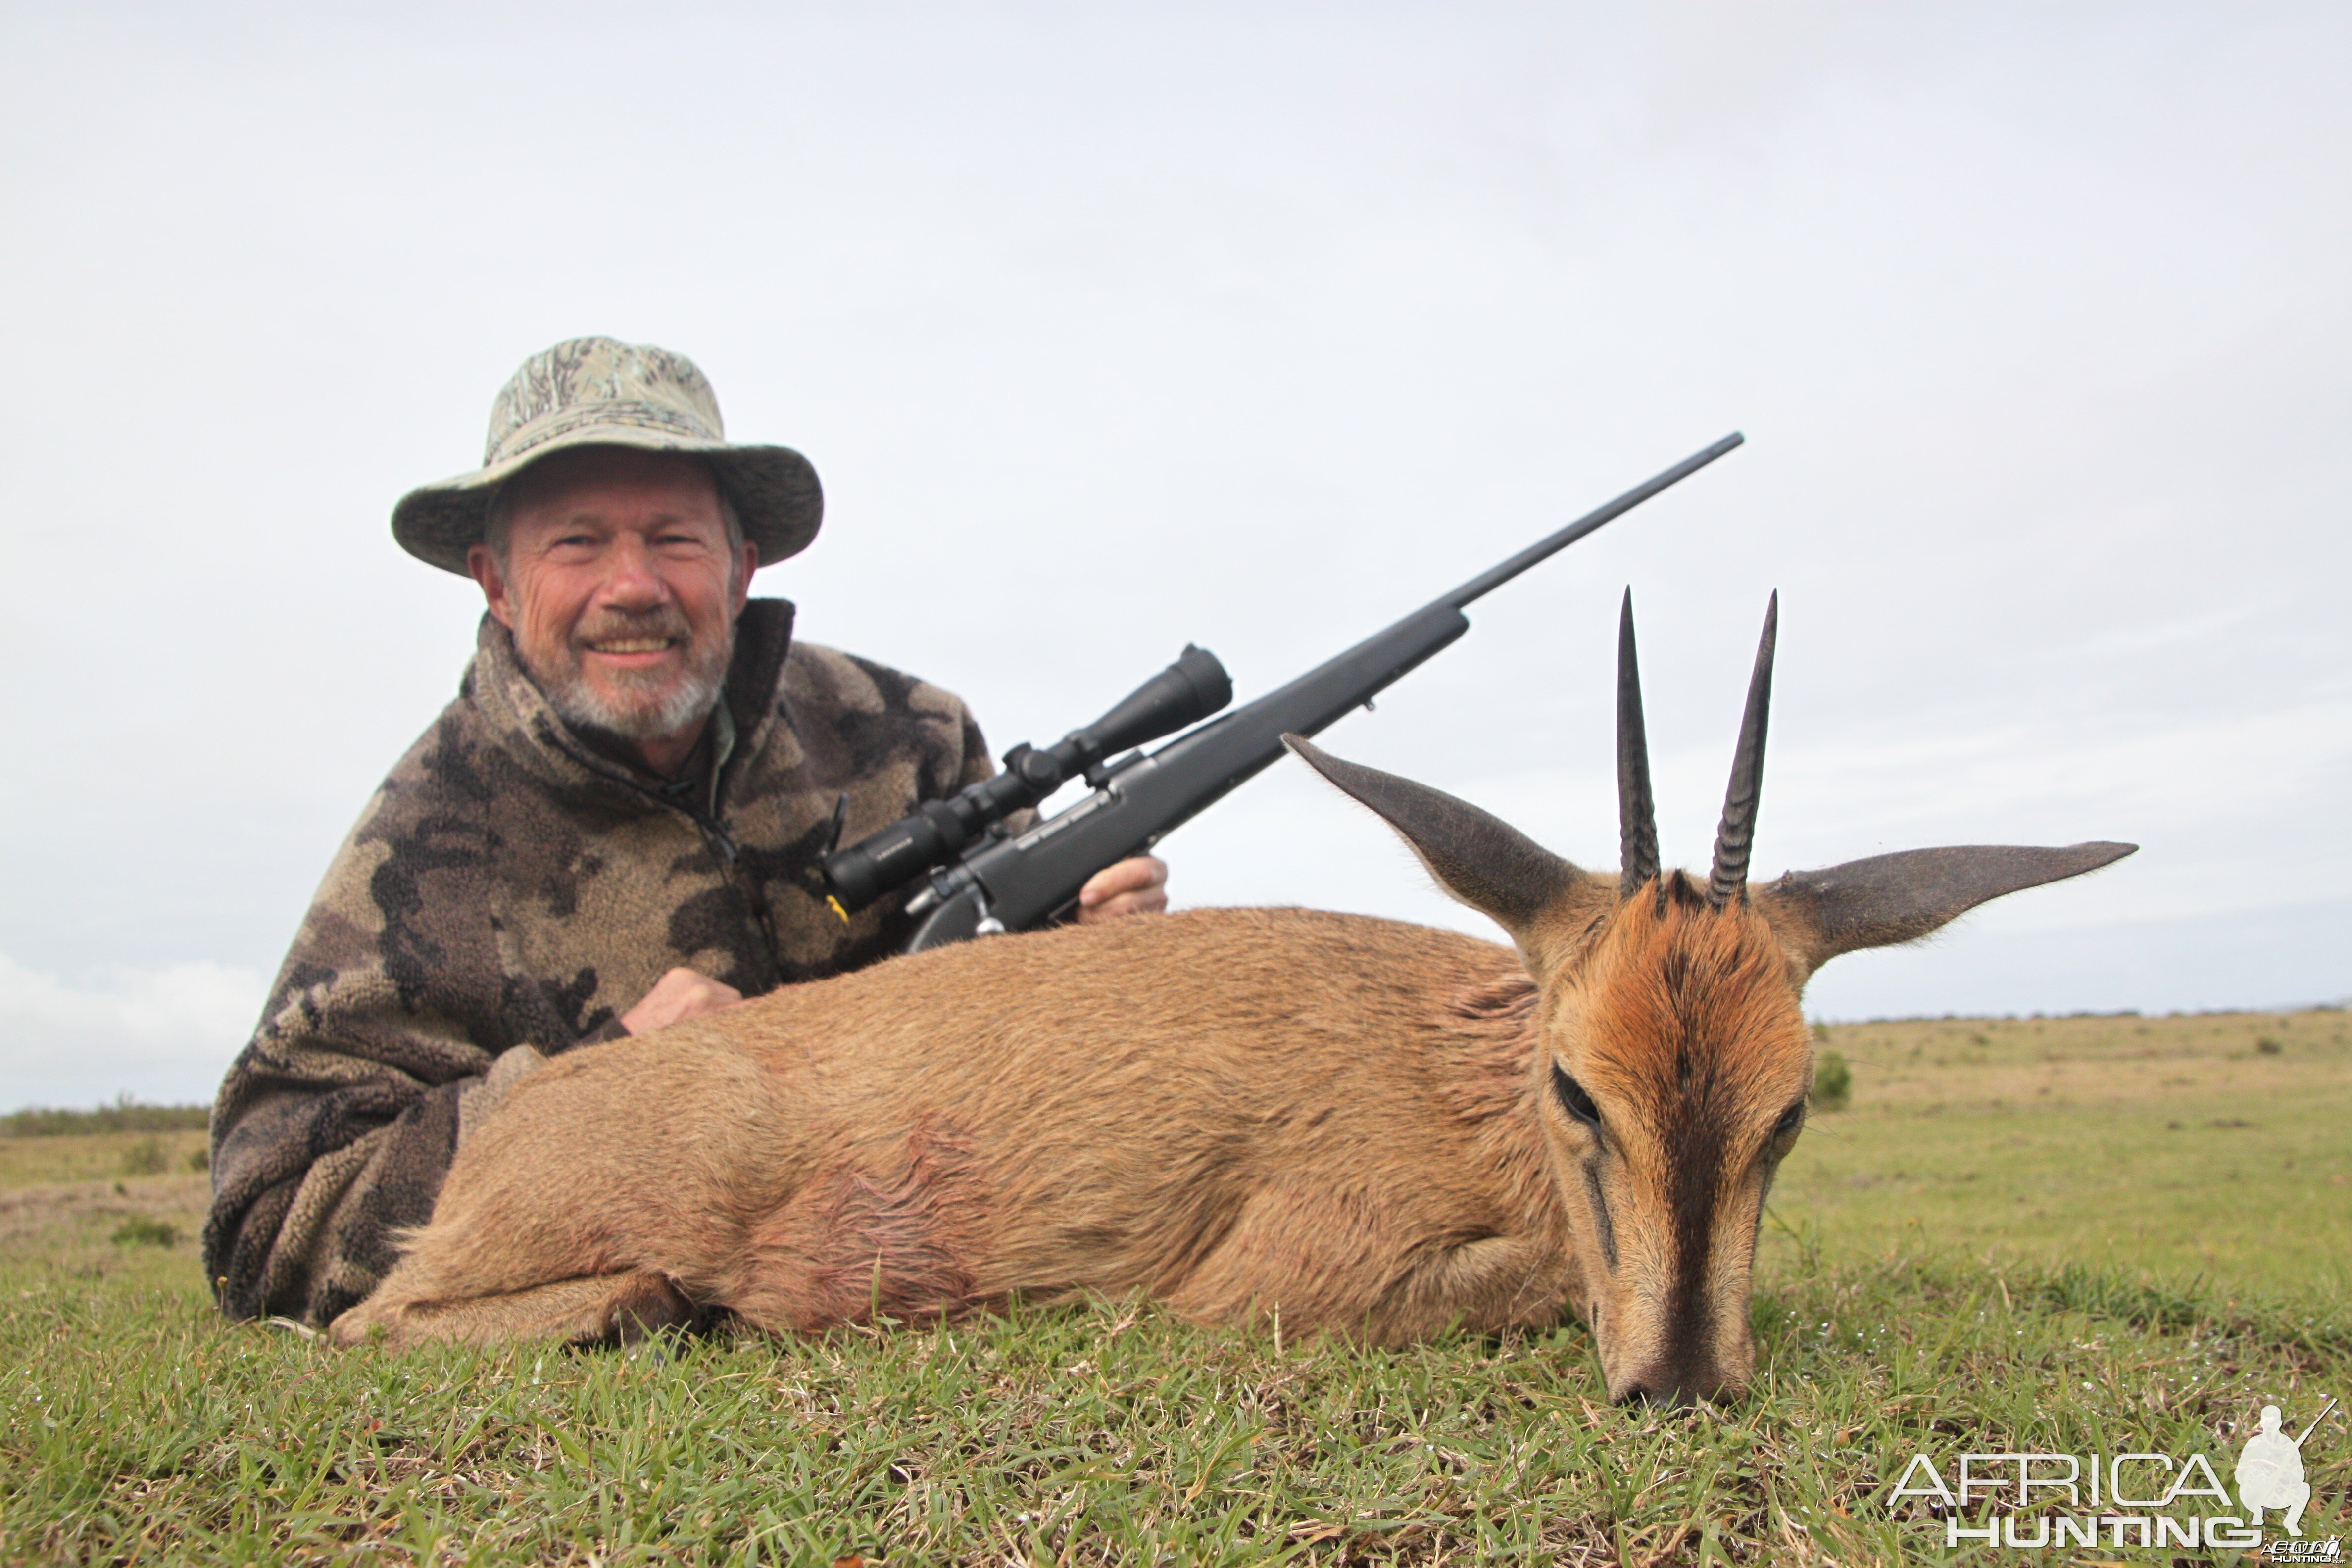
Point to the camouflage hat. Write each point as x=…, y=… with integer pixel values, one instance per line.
x=596, y=391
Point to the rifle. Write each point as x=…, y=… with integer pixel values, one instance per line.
x=1007, y=881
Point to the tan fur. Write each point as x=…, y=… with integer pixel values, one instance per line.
x=1344, y=1121
x=1683, y=1025
x=1284, y=1112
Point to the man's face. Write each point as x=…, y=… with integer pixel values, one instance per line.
x=621, y=589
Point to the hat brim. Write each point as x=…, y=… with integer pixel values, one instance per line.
x=774, y=490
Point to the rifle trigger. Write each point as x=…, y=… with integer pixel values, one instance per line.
x=1369, y=707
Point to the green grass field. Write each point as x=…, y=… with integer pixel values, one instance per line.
x=2175, y=1147
x=2059, y=1235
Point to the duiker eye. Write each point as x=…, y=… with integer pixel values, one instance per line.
x=1790, y=1120
x=1573, y=1098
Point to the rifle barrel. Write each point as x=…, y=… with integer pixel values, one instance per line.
x=1487, y=581
x=1015, y=883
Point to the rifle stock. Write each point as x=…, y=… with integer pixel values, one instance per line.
x=1019, y=881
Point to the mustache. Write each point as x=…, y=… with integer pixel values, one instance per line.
x=665, y=624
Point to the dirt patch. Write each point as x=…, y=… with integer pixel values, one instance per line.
x=64, y=1207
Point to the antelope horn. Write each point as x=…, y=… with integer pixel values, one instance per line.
x=1737, y=834
x=1637, y=813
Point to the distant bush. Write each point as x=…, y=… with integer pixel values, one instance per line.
x=1832, y=1082
x=141, y=1231
x=145, y=1158
x=200, y=1158
x=2268, y=1046
x=125, y=1115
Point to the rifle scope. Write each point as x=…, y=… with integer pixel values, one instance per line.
x=1190, y=689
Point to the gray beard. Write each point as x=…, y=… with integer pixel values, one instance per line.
x=688, y=704
x=640, y=716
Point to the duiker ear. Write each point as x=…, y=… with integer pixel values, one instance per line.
x=1891, y=899
x=1480, y=859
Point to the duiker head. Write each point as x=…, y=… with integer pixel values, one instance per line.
x=1675, y=1061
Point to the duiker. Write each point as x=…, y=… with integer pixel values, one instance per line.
x=1356, y=1125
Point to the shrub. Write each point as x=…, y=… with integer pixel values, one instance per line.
x=1832, y=1082
x=2268, y=1046
x=125, y=1115
x=145, y=1158
x=200, y=1158
x=141, y=1231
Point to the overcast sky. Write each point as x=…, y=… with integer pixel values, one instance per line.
x=1113, y=327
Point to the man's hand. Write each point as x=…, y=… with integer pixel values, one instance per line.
x=1133, y=887
x=682, y=993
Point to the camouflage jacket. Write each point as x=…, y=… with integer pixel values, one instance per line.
x=508, y=887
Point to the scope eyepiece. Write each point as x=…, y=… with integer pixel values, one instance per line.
x=899, y=853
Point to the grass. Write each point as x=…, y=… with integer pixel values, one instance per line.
x=125, y=1115
x=138, y=1427
x=76, y=1160
x=2174, y=1147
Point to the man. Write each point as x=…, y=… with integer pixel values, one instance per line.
x=2270, y=1474
x=614, y=827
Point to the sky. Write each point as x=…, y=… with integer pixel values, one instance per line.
x=1113, y=327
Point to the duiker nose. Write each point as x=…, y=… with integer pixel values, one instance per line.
x=1676, y=1387
x=1671, y=1397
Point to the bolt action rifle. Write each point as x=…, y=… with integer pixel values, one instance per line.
x=983, y=880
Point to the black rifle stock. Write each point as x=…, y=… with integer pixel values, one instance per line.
x=1016, y=882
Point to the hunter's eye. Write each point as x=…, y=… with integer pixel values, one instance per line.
x=1572, y=1097
x=1790, y=1120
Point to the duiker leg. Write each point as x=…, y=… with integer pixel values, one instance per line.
x=1485, y=1286
x=608, y=1308
x=1345, y=1269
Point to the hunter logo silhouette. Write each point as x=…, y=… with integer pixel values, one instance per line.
x=2270, y=1471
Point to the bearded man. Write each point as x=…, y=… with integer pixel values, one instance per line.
x=614, y=827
